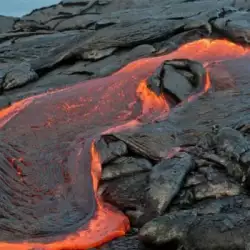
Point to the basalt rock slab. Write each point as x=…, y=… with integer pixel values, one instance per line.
x=110, y=150
x=37, y=47
x=48, y=82
x=155, y=145
x=127, y=193
x=125, y=243
x=216, y=189
x=232, y=143
x=219, y=217
x=18, y=75
x=97, y=54
x=29, y=26
x=218, y=231
x=166, y=179
x=77, y=22
x=235, y=25
x=125, y=166
x=111, y=63
x=178, y=79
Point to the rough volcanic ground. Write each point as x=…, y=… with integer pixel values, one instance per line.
x=202, y=191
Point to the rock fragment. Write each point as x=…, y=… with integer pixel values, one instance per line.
x=18, y=76
x=172, y=227
x=97, y=54
x=178, y=79
x=166, y=179
x=235, y=25
x=221, y=224
x=127, y=193
x=152, y=145
x=110, y=151
x=125, y=166
x=232, y=143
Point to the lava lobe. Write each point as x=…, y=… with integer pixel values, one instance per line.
x=49, y=164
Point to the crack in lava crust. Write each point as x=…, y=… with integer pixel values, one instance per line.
x=49, y=165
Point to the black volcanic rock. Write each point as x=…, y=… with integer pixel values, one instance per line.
x=178, y=79
x=127, y=193
x=18, y=75
x=236, y=26
x=166, y=179
x=124, y=166
x=110, y=151
x=232, y=143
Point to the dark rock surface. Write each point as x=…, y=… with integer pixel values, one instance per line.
x=75, y=34
x=213, y=196
x=166, y=179
x=124, y=166
x=179, y=79
x=201, y=192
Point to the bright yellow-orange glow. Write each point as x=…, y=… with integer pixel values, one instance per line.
x=111, y=102
x=150, y=101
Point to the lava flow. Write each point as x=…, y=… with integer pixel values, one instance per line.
x=49, y=165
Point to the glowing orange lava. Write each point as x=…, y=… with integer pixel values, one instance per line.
x=100, y=105
x=150, y=101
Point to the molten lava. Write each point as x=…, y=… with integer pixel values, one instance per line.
x=50, y=164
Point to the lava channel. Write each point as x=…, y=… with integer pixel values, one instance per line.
x=49, y=164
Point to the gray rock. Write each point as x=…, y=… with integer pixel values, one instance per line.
x=233, y=168
x=127, y=193
x=166, y=179
x=110, y=151
x=18, y=75
x=97, y=54
x=215, y=189
x=235, y=25
x=50, y=81
x=153, y=145
x=15, y=35
x=29, y=26
x=232, y=143
x=106, y=66
x=213, y=221
x=167, y=228
x=194, y=179
x=176, y=84
x=102, y=67
x=77, y=22
x=222, y=205
x=87, y=4
x=140, y=51
x=245, y=158
x=124, y=166
x=222, y=231
x=54, y=12
x=178, y=79
x=124, y=243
